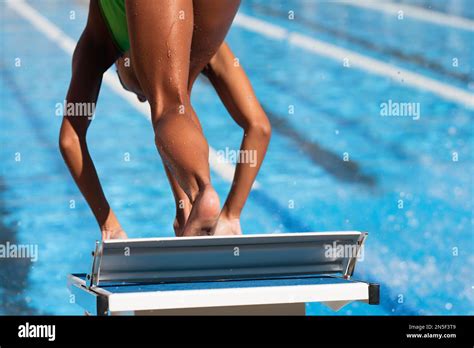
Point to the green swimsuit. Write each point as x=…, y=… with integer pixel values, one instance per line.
x=114, y=15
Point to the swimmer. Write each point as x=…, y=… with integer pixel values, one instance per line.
x=234, y=89
x=170, y=43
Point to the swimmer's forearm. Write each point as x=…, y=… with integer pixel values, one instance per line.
x=236, y=92
x=245, y=173
x=81, y=167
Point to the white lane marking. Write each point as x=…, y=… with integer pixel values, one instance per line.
x=372, y=65
x=261, y=27
x=411, y=11
x=43, y=25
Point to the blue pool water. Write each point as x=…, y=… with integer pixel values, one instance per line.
x=421, y=254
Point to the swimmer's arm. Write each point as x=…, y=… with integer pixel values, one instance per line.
x=89, y=63
x=236, y=92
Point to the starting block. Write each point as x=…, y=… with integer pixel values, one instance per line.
x=266, y=274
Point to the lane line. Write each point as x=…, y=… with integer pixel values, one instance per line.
x=371, y=65
x=368, y=45
x=416, y=12
x=67, y=44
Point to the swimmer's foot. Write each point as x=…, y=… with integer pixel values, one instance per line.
x=115, y=233
x=204, y=213
x=227, y=226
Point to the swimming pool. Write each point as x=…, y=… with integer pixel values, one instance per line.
x=406, y=179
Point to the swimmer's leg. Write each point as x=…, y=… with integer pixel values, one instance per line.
x=160, y=37
x=212, y=20
x=183, y=205
x=93, y=55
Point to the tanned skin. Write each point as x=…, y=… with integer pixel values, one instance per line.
x=167, y=55
x=236, y=92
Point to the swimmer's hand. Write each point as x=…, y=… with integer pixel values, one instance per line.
x=227, y=226
x=116, y=233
